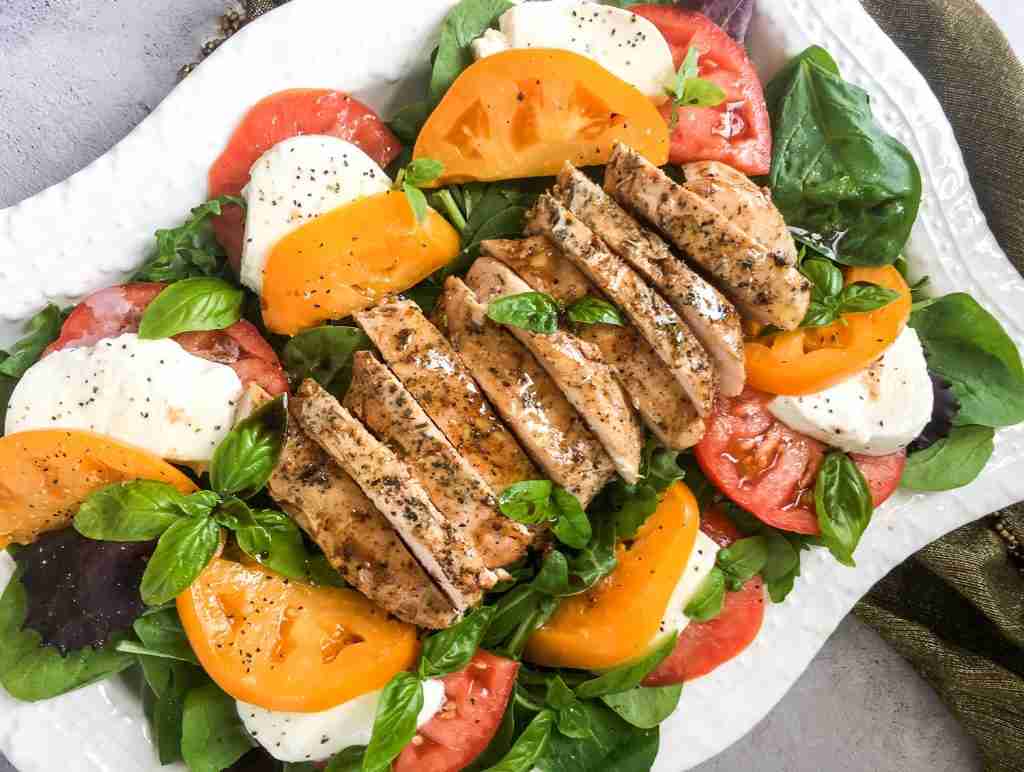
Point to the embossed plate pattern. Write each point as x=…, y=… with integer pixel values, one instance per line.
x=89, y=231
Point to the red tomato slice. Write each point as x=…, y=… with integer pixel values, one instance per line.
x=770, y=470
x=279, y=117
x=703, y=646
x=117, y=310
x=738, y=131
x=476, y=699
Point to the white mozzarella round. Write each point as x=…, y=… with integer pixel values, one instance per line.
x=148, y=393
x=876, y=412
x=295, y=737
x=293, y=182
x=625, y=44
x=701, y=561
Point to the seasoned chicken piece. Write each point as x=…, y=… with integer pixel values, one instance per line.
x=526, y=396
x=658, y=397
x=380, y=401
x=743, y=203
x=438, y=545
x=712, y=318
x=765, y=285
x=425, y=363
x=577, y=367
x=356, y=538
x=656, y=320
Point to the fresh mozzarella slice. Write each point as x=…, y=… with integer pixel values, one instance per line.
x=876, y=412
x=148, y=393
x=295, y=737
x=701, y=561
x=623, y=43
x=293, y=182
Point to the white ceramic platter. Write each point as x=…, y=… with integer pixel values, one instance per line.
x=89, y=231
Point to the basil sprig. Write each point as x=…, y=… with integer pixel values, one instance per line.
x=183, y=551
x=41, y=330
x=843, y=502
x=540, y=501
x=591, y=310
x=417, y=174
x=539, y=312
x=246, y=457
x=191, y=305
x=688, y=89
x=830, y=299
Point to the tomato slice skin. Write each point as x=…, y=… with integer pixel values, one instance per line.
x=703, y=646
x=477, y=698
x=701, y=132
x=279, y=117
x=770, y=470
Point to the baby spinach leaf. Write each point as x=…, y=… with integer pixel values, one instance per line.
x=162, y=635
x=707, y=603
x=164, y=702
x=533, y=311
x=843, y=502
x=464, y=23
x=625, y=677
x=591, y=310
x=515, y=607
x=527, y=502
x=325, y=355
x=614, y=746
x=200, y=303
x=951, y=462
x=395, y=722
x=596, y=560
x=782, y=565
x=41, y=330
x=571, y=525
x=246, y=457
x=212, y=737
x=130, y=511
x=553, y=577
x=530, y=745
x=191, y=249
x=645, y=707
x=449, y=651
x=184, y=550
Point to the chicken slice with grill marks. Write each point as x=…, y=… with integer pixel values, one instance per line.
x=450, y=559
x=356, y=538
x=529, y=400
x=380, y=401
x=765, y=284
x=711, y=317
x=656, y=320
x=577, y=367
x=659, y=398
x=428, y=367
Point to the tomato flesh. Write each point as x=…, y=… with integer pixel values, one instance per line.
x=738, y=131
x=475, y=702
x=770, y=470
x=279, y=117
x=703, y=646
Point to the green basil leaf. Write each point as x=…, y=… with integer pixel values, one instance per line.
x=527, y=502
x=821, y=313
x=213, y=737
x=533, y=311
x=530, y=745
x=200, y=503
x=843, y=502
x=702, y=93
x=321, y=573
x=451, y=650
x=591, y=310
x=464, y=23
x=626, y=677
x=968, y=347
x=41, y=330
x=417, y=201
x=707, y=603
x=275, y=541
x=130, y=511
x=235, y=515
x=952, y=462
x=395, y=723
x=423, y=171
x=325, y=355
x=645, y=707
x=246, y=457
x=553, y=577
x=782, y=566
x=862, y=296
x=191, y=249
x=572, y=527
x=163, y=635
x=7, y=385
x=742, y=560
x=184, y=550
x=827, y=280
x=200, y=303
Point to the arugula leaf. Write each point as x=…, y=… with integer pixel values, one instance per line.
x=184, y=550
x=591, y=310
x=645, y=707
x=628, y=676
x=200, y=303
x=325, y=355
x=213, y=737
x=464, y=23
x=843, y=502
x=533, y=311
x=139, y=510
x=530, y=745
x=246, y=457
x=41, y=330
x=968, y=347
x=742, y=560
x=951, y=462
x=706, y=604
x=449, y=651
x=191, y=249
x=395, y=723
x=834, y=170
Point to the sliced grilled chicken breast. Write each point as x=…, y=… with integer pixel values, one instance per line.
x=656, y=320
x=356, y=538
x=380, y=401
x=577, y=367
x=427, y=365
x=445, y=553
x=712, y=318
x=743, y=203
x=529, y=400
x=765, y=285
x=657, y=396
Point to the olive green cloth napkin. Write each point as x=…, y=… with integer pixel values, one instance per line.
x=956, y=609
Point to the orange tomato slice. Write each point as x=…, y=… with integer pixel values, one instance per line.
x=525, y=112
x=806, y=361
x=349, y=258
x=617, y=620
x=284, y=645
x=47, y=473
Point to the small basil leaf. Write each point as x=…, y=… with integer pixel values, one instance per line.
x=325, y=355
x=743, y=559
x=591, y=310
x=862, y=296
x=530, y=745
x=702, y=93
x=423, y=171
x=707, y=603
x=200, y=503
x=527, y=502
x=41, y=330
x=246, y=457
x=417, y=201
x=645, y=707
x=952, y=462
x=131, y=511
x=826, y=278
x=626, y=677
x=184, y=550
x=533, y=311
x=395, y=723
x=163, y=635
x=782, y=558
x=286, y=552
x=451, y=650
x=572, y=527
x=199, y=303
x=820, y=314
x=843, y=502
x=553, y=577
x=235, y=515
